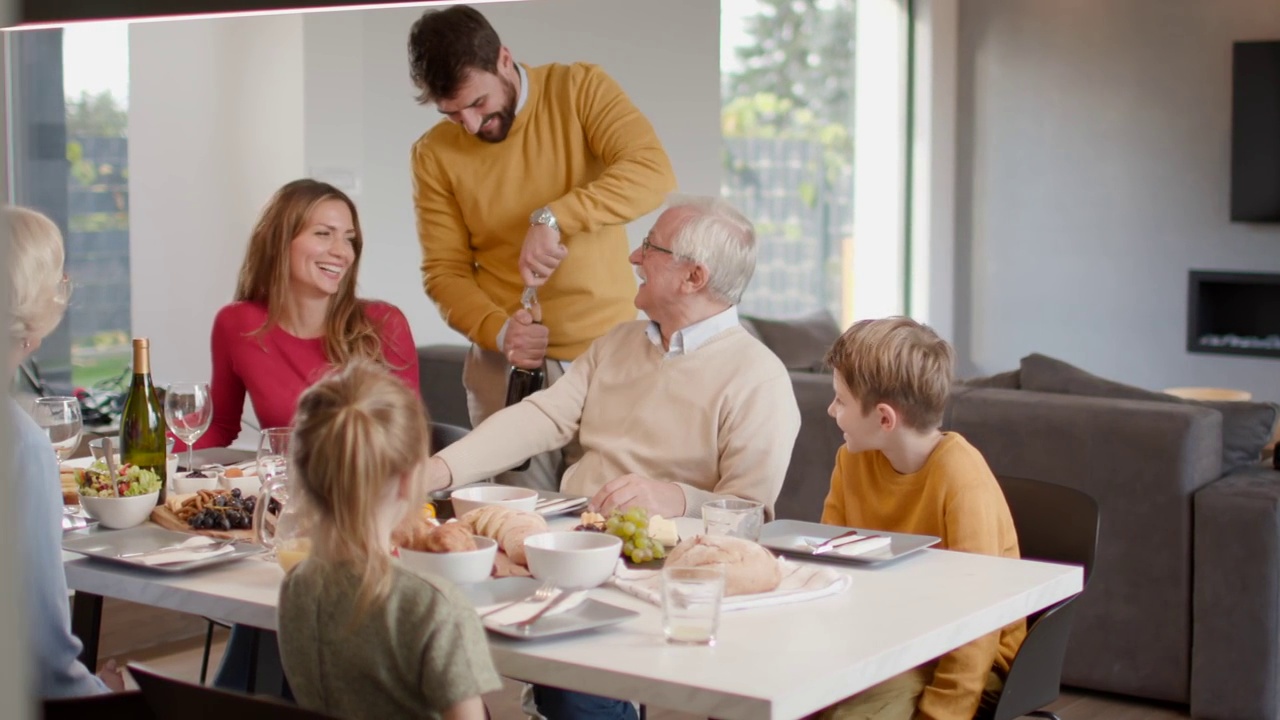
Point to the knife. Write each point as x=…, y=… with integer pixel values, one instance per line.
x=841, y=540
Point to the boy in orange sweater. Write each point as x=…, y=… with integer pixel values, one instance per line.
x=899, y=472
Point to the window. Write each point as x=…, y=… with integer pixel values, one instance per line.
x=789, y=111
x=68, y=100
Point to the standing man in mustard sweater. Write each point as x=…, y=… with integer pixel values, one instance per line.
x=529, y=185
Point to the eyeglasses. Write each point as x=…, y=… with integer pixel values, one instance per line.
x=646, y=246
x=65, y=286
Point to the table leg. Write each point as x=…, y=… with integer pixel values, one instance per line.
x=86, y=621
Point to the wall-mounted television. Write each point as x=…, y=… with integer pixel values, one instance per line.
x=1255, y=132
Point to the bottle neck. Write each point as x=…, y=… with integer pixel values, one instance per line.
x=141, y=360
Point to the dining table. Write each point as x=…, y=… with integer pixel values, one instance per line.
x=777, y=662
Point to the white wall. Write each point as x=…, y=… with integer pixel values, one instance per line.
x=1093, y=172
x=361, y=118
x=215, y=126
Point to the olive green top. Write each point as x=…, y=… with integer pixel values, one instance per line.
x=412, y=655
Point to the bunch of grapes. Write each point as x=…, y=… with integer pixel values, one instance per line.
x=228, y=512
x=632, y=526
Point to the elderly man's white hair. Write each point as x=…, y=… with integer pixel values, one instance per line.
x=719, y=237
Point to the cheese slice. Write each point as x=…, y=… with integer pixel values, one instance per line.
x=664, y=531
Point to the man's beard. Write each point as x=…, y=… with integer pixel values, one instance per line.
x=505, y=117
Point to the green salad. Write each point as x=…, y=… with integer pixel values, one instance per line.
x=130, y=480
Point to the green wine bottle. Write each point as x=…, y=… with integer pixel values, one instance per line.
x=142, y=426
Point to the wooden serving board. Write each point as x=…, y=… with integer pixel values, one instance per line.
x=165, y=518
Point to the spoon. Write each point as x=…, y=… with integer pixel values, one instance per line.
x=108, y=449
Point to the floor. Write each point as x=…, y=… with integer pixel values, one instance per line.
x=181, y=659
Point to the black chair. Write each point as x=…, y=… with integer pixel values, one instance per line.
x=112, y=705
x=443, y=435
x=170, y=699
x=1055, y=524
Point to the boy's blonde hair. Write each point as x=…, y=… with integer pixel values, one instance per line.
x=356, y=433
x=899, y=362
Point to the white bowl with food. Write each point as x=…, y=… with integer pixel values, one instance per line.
x=466, y=499
x=573, y=560
x=186, y=483
x=459, y=566
x=244, y=478
x=122, y=512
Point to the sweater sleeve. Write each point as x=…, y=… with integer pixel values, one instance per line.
x=448, y=270
x=971, y=524
x=637, y=175
x=756, y=436
x=833, y=512
x=58, y=671
x=544, y=421
x=398, y=349
x=226, y=387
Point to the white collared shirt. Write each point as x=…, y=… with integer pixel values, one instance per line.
x=524, y=88
x=686, y=340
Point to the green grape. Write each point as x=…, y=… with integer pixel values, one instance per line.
x=628, y=529
x=640, y=541
x=612, y=523
x=628, y=548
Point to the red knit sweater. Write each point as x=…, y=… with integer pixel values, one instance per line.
x=275, y=367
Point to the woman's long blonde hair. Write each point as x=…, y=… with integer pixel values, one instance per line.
x=264, y=275
x=357, y=433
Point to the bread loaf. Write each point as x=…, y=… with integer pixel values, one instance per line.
x=507, y=527
x=450, y=537
x=748, y=567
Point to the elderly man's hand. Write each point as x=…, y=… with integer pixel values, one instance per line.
x=659, y=498
x=540, y=255
x=525, y=344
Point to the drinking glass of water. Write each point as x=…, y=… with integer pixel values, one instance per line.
x=691, y=599
x=60, y=418
x=188, y=410
x=273, y=453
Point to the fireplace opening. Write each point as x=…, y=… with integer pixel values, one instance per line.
x=1234, y=313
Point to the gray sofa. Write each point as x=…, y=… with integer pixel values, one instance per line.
x=1184, y=602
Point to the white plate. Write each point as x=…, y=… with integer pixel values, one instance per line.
x=796, y=537
x=102, y=544
x=588, y=615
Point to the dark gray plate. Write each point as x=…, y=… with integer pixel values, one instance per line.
x=102, y=544
x=586, y=616
x=794, y=537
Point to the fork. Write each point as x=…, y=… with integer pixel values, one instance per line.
x=527, y=623
x=542, y=593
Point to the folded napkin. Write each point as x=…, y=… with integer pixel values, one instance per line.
x=800, y=581
x=528, y=608
x=184, y=552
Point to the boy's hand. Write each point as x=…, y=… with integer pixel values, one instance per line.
x=112, y=676
x=658, y=497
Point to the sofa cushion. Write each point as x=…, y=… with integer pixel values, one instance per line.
x=1246, y=426
x=800, y=343
x=1008, y=380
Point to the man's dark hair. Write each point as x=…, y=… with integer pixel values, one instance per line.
x=446, y=45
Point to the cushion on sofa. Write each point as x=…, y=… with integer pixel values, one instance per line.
x=1246, y=426
x=1008, y=380
x=800, y=343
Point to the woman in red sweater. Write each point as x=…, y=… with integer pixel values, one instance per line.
x=296, y=314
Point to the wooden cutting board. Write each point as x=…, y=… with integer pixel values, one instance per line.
x=165, y=518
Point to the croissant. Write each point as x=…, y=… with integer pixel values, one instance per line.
x=506, y=526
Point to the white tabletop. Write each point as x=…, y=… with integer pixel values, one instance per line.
x=774, y=662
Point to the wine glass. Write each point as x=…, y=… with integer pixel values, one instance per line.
x=60, y=418
x=273, y=453
x=188, y=409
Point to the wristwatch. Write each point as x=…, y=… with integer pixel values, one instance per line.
x=544, y=216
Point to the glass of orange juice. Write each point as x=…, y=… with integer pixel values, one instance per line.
x=292, y=551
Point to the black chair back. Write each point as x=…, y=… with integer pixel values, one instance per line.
x=171, y=699
x=112, y=705
x=1056, y=524
x=443, y=435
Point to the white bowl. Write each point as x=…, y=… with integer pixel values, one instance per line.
x=459, y=567
x=120, y=513
x=185, y=484
x=466, y=499
x=573, y=560
x=249, y=483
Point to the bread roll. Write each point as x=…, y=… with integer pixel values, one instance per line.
x=450, y=537
x=748, y=567
x=506, y=526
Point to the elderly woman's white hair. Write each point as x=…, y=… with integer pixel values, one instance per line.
x=37, y=293
x=719, y=237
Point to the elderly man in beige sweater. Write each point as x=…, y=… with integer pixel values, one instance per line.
x=672, y=411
